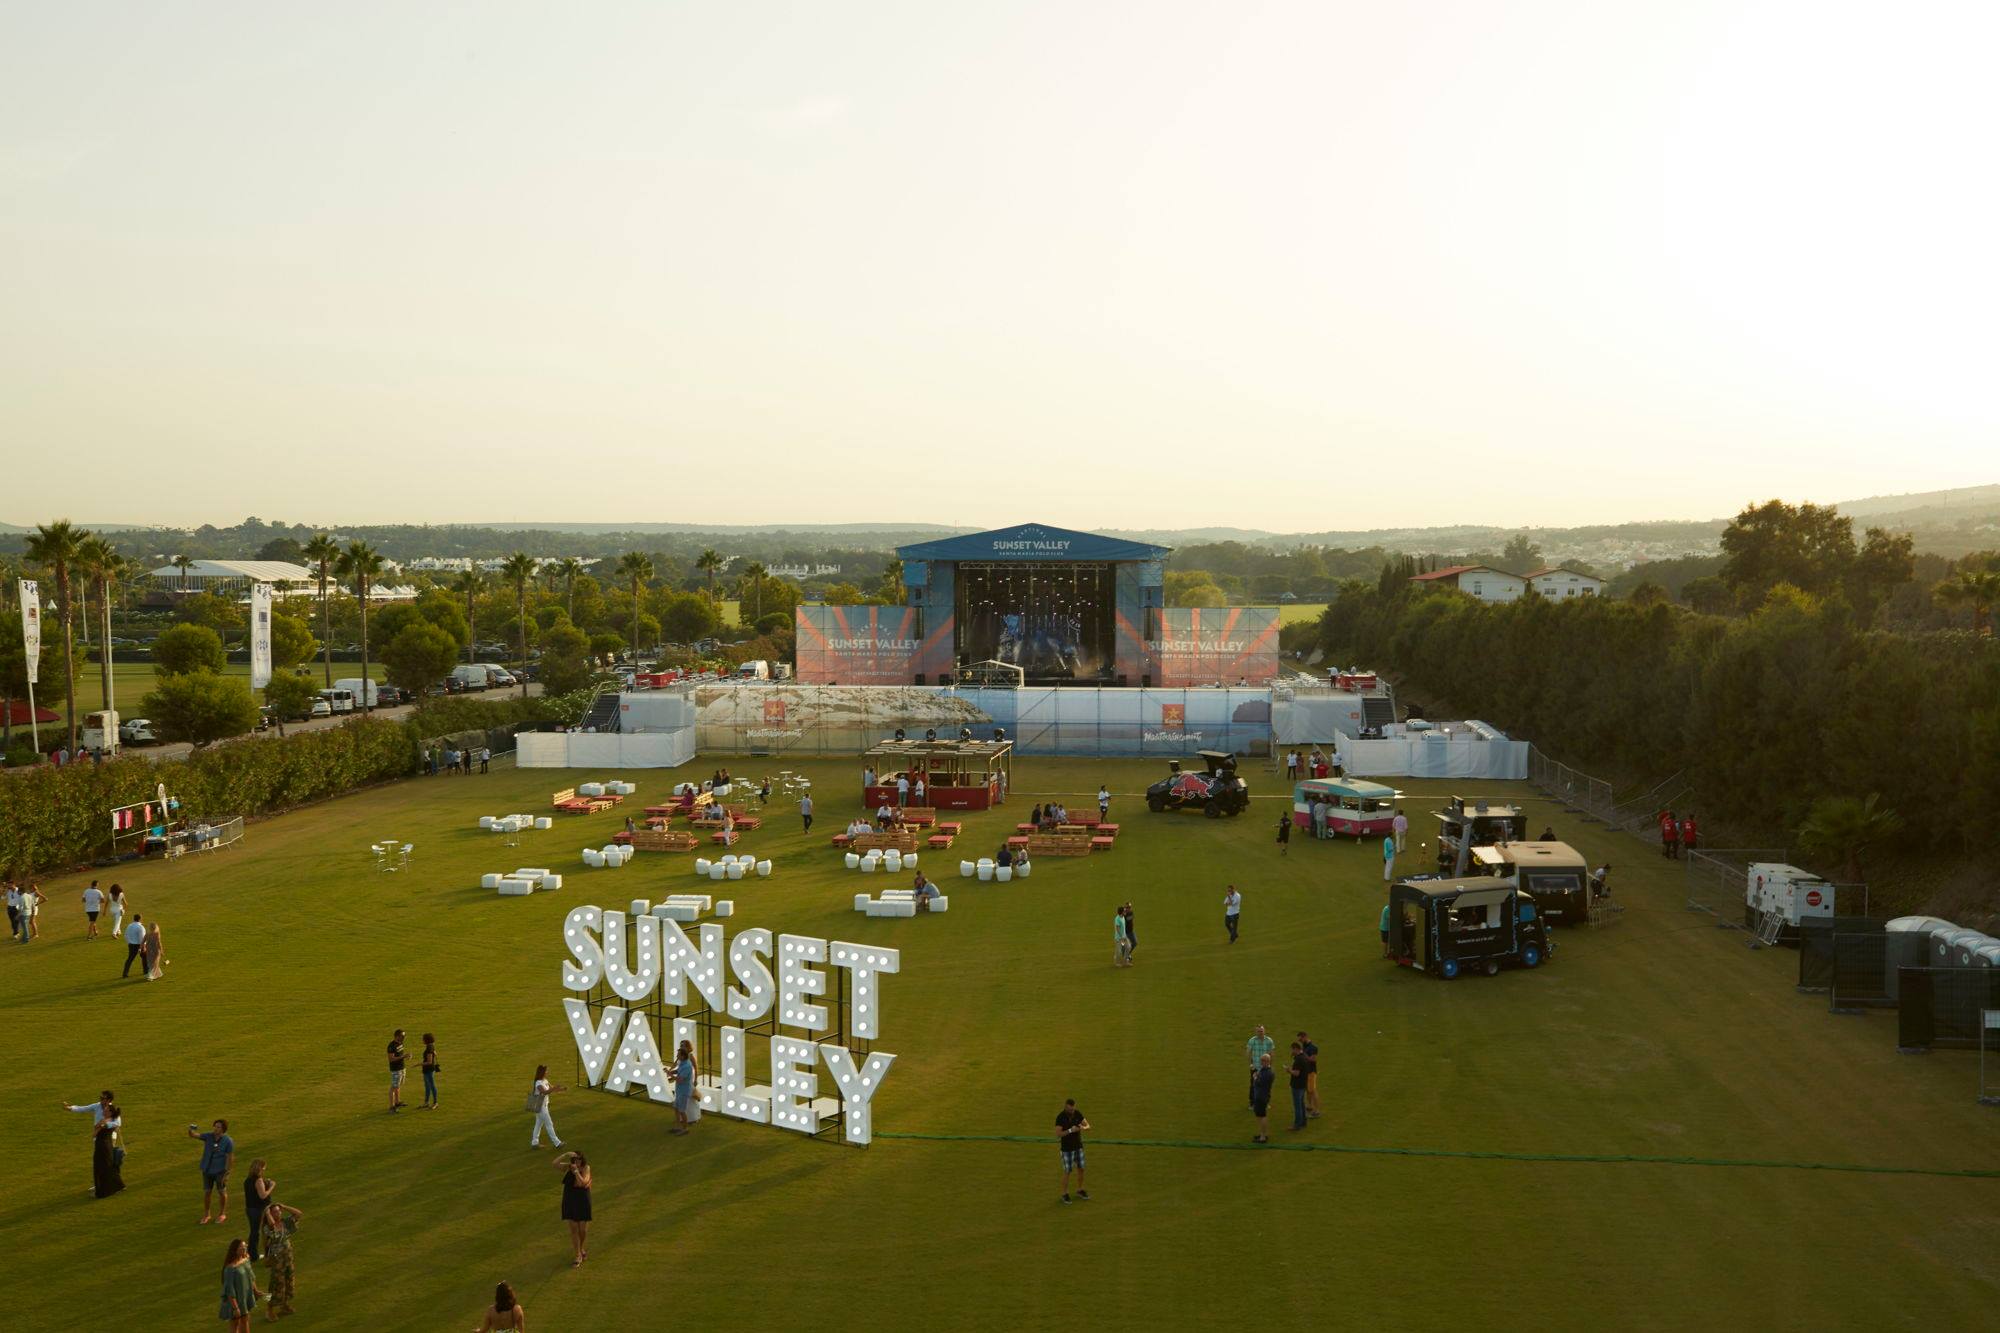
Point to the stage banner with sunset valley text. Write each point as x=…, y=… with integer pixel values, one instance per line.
x=31, y=628
x=857, y=645
x=260, y=635
x=1214, y=645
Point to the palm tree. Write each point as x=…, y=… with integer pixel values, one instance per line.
x=1846, y=827
x=567, y=571
x=324, y=552
x=635, y=568
x=54, y=546
x=892, y=582
x=183, y=563
x=362, y=563
x=1977, y=590
x=519, y=570
x=755, y=573
x=469, y=584
x=97, y=563
x=709, y=563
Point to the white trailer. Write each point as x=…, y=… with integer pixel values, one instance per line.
x=1792, y=893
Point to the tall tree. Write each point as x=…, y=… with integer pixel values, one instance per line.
x=54, y=546
x=892, y=581
x=754, y=575
x=710, y=563
x=183, y=562
x=469, y=584
x=362, y=564
x=324, y=552
x=568, y=569
x=1521, y=554
x=519, y=570
x=1975, y=590
x=1807, y=546
x=636, y=569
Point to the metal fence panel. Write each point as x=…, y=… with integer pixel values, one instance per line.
x=1860, y=973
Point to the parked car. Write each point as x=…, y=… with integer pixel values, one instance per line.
x=138, y=731
x=321, y=708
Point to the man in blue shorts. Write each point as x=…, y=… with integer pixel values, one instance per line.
x=218, y=1151
x=1070, y=1125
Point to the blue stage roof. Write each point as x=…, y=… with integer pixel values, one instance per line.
x=1032, y=541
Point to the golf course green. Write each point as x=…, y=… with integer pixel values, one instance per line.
x=1627, y=1136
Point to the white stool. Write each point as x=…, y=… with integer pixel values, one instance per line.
x=486, y=821
x=701, y=864
x=736, y=870
x=853, y=860
x=543, y=821
x=593, y=858
x=551, y=881
x=727, y=907
x=940, y=903
x=764, y=869
x=489, y=881
x=909, y=860
x=1003, y=873
x=1021, y=868
x=639, y=906
x=965, y=868
x=718, y=871
x=861, y=901
x=515, y=888
x=986, y=870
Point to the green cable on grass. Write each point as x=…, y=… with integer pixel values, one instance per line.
x=1618, y=1158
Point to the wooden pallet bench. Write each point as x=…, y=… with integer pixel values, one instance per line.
x=1058, y=844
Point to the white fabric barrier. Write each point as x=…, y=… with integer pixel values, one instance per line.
x=1434, y=754
x=602, y=750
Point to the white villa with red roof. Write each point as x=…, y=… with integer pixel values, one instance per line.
x=1480, y=581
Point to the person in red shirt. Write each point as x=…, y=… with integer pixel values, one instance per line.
x=1690, y=834
x=1670, y=836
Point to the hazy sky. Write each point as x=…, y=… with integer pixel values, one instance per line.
x=1270, y=265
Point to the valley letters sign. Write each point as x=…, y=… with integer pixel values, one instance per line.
x=638, y=955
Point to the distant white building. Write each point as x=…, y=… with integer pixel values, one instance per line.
x=1478, y=581
x=224, y=577
x=802, y=571
x=1557, y=583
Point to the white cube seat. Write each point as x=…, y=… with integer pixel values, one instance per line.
x=677, y=912
x=909, y=860
x=986, y=870
x=590, y=789
x=718, y=870
x=486, y=821
x=543, y=821
x=515, y=888
x=489, y=881
x=701, y=864
x=966, y=868
x=861, y=901
x=1003, y=873
x=869, y=865
x=551, y=882
x=639, y=906
x=764, y=869
x=532, y=872
x=736, y=870
x=593, y=857
x=1021, y=869
x=940, y=903
x=727, y=907
x=853, y=860
x=700, y=900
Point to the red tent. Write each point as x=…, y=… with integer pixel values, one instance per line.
x=16, y=712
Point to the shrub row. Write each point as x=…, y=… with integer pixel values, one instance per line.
x=51, y=818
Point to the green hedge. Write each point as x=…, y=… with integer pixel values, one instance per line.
x=52, y=818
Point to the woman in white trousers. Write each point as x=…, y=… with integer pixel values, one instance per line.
x=538, y=1102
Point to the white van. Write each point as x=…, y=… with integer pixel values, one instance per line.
x=359, y=690
x=498, y=676
x=471, y=677
x=339, y=700
x=100, y=732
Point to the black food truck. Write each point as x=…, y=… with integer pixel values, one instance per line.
x=1449, y=926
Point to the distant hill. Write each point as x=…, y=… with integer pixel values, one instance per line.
x=1984, y=499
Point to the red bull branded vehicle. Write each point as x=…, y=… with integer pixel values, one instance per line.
x=1215, y=791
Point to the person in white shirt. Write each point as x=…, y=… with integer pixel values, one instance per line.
x=99, y=1111
x=1232, y=907
x=902, y=789
x=538, y=1102
x=117, y=911
x=135, y=936
x=920, y=791
x=93, y=903
x=1103, y=801
x=1401, y=824
x=32, y=899
x=13, y=909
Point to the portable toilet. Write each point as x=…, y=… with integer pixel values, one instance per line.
x=1954, y=948
x=1966, y=947
x=1988, y=956
x=1909, y=945
x=1788, y=890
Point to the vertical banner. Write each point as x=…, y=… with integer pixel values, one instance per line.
x=260, y=635
x=31, y=627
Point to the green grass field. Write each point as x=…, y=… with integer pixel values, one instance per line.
x=132, y=681
x=1660, y=1036
x=1294, y=613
